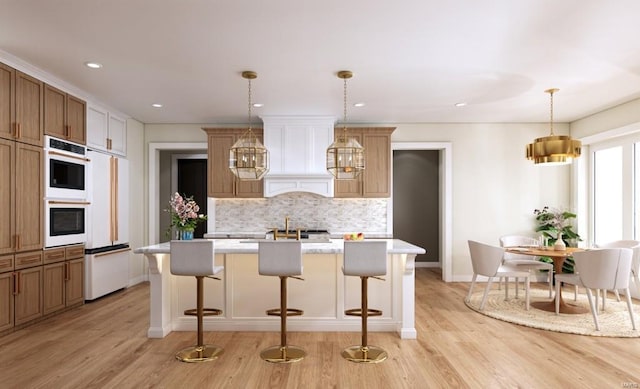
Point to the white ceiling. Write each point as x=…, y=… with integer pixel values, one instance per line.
x=412, y=59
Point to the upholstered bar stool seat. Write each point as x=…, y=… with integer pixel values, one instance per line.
x=364, y=259
x=283, y=259
x=196, y=258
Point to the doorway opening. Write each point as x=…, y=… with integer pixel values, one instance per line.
x=189, y=177
x=439, y=254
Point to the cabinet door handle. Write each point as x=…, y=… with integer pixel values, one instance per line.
x=16, y=284
x=67, y=271
x=18, y=130
x=67, y=131
x=17, y=242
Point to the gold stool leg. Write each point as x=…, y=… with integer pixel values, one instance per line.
x=201, y=352
x=283, y=353
x=364, y=353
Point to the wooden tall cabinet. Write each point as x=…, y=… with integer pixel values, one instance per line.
x=29, y=192
x=375, y=181
x=21, y=194
x=64, y=115
x=221, y=182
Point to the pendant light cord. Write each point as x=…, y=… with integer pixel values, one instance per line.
x=551, y=112
x=249, y=103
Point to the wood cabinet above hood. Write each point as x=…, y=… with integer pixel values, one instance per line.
x=297, y=148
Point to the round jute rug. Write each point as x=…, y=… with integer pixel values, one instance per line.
x=614, y=321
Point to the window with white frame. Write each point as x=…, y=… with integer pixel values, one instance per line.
x=615, y=168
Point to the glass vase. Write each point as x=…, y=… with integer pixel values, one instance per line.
x=186, y=234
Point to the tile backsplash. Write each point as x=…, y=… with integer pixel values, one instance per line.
x=305, y=210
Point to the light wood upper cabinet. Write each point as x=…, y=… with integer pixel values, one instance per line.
x=20, y=107
x=106, y=131
x=221, y=183
x=7, y=101
x=64, y=115
x=375, y=181
x=28, y=110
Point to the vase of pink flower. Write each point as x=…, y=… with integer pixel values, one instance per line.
x=184, y=216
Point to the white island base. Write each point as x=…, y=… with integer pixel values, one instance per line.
x=243, y=295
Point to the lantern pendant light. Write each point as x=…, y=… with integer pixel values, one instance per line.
x=345, y=157
x=553, y=149
x=248, y=158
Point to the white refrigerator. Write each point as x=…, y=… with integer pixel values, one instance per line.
x=107, y=249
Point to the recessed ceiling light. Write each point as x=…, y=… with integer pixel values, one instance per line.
x=460, y=104
x=359, y=105
x=156, y=105
x=258, y=105
x=93, y=65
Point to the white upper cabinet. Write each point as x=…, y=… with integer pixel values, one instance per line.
x=106, y=131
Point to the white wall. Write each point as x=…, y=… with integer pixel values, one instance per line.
x=137, y=188
x=495, y=188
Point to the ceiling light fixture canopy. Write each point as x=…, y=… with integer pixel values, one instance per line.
x=345, y=157
x=248, y=158
x=553, y=149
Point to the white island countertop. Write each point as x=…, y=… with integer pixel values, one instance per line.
x=243, y=295
x=249, y=246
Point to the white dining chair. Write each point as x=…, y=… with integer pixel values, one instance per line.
x=635, y=263
x=487, y=261
x=522, y=261
x=606, y=269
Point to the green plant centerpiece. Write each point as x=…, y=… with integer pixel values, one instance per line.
x=554, y=223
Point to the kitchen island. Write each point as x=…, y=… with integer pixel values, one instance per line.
x=243, y=295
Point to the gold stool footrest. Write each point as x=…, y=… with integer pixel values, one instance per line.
x=290, y=312
x=358, y=312
x=205, y=312
x=359, y=354
x=280, y=354
x=204, y=353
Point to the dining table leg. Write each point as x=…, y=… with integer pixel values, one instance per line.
x=550, y=306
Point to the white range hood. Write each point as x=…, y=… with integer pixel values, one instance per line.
x=297, y=148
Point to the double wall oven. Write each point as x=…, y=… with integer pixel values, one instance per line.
x=66, y=167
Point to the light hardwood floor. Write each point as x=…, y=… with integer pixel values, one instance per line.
x=104, y=345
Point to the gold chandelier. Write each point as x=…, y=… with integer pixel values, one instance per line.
x=553, y=149
x=248, y=158
x=345, y=157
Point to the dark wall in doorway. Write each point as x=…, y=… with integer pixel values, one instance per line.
x=416, y=200
x=192, y=181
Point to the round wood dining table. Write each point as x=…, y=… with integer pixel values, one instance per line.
x=558, y=257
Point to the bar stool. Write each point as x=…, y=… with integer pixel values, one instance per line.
x=364, y=259
x=196, y=258
x=281, y=258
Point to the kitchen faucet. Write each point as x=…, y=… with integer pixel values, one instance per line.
x=286, y=234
